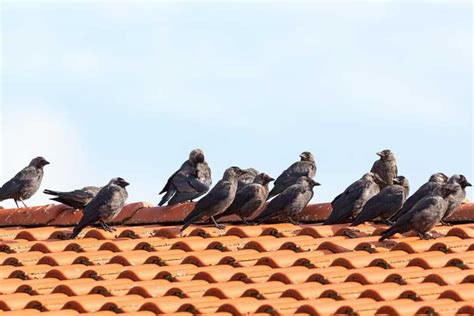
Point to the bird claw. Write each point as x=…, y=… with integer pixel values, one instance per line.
x=220, y=226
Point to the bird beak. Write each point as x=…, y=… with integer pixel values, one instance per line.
x=468, y=184
x=45, y=162
x=271, y=179
x=125, y=183
x=317, y=183
x=379, y=154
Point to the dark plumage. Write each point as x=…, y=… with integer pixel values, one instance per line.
x=290, y=202
x=385, y=167
x=460, y=183
x=305, y=167
x=383, y=205
x=192, y=180
x=250, y=198
x=76, y=199
x=217, y=200
x=349, y=203
x=247, y=177
x=426, y=213
x=108, y=202
x=436, y=180
x=25, y=183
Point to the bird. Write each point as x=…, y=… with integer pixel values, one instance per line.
x=218, y=199
x=189, y=182
x=76, y=199
x=25, y=183
x=460, y=182
x=385, y=167
x=305, y=167
x=247, y=177
x=290, y=202
x=108, y=202
x=435, y=181
x=383, y=205
x=422, y=217
x=349, y=203
x=250, y=198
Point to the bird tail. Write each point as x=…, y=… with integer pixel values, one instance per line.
x=191, y=218
x=167, y=196
x=52, y=192
x=360, y=219
x=77, y=230
x=388, y=233
x=271, y=194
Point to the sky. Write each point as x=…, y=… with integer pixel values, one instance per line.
x=127, y=89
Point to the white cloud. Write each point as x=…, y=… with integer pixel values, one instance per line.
x=35, y=131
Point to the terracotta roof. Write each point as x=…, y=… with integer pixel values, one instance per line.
x=146, y=267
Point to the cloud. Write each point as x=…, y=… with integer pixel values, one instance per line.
x=34, y=131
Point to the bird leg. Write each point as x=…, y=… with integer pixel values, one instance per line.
x=219, y=226
x=445, y=223
x=23, y=203
x=246, y=222
x=387, y=222
x=293, y=221
x=16, y=204
x=106, y=227
x=425, y=236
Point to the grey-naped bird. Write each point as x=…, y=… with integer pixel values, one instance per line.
x=383, y=205
x=76, y=199
x=108, y=202
x=290, y=202
x=247, y=177
x=250, y=198
x=460, y=182
x=189, y=182
x=426, y=213
x=305, y=167
x=349, y=203
x=217, y=200
x=385, y=167
x=435, y=181
x=25, y=183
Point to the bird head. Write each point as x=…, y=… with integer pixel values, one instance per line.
x=119, y=181
x=403, y=181
x=263, y=179
x=386, y=154
x=196, y=156
x=306, y=156
x=439, y=178
x=448, y=189
x=39, y=162
x=459, y=179
x=308, y=181
x=233, y=172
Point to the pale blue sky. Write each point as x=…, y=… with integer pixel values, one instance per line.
x=127, y=89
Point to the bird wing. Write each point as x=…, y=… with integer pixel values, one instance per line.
x=109, y=198
x=281, y=202
x=15, y=184
x=387, y=201
x=295, y=171
x=244, y=195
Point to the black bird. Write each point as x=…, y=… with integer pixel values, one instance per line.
x=305, y=167
x=385, y=167
x=217, y=200
x=192, y=180
x=436, y=181
x=108, y=202
x=349, y=203
x=247, y=177
x=383, y=205
x=426, y=213
x=76, y=199
x=250, y=198
x=460, y=182
x=290, y=202
x=25, y=183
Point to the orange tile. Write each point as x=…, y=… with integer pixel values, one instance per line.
x=313, y=290
x=379, y=292
x=30, y=216
x=450, y=246
x=286, y=258
x=415, y=246
x=326, y=307
x=450, y=277
x=158, y=288
x=372, y=275
x=408, y=307
x=415, y=276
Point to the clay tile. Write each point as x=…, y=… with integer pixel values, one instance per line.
x=117, y=287
x=380, y=292
x=346, y=244
x=37, y=287
x=466, y=308
x=353, y=262
x=402, y=260
x=22, y=259
x=127, y=212
x=241, y=258
x=226, y=273
x=408, y=307
x=206, y=231
x=150, y=271
x=193, y=245
x=263, y=245
x=318, y=261
x=281, y=230
x=47, y=302
x=242, y=306
x=15, y=246
x=284, y=305
x=438, y=259
x=74, y=287
x=68, y=217
x=285, y=258
x=205, y=258
x=49, y=246
x=450, y=277
x=40, y=233
x=372, y=275
x=462, y=214
x=458, y=292
x=324, y=307
x=314, y=213
x=313, y=290
x=30, y=216
x=300, y=274
x=9, y=286
x=13, y=301
x=233, y=243
x=404, y=276
x=449, y=246
x=168, y=232
x=155, y=215
x=309, y=244
x=84, y=245
x=190, y=289
x=29, y=272
x=245, y=231
x=9, y=233
x=321, y=231
x=140, y=232
x=160, y=244
x=159, y=288
x=168, y=304
x=229, y=290
x=86, y=303
x=66, y=272
x=64, y=258
x=123, y=304
x=417, y=246
x=21, y=312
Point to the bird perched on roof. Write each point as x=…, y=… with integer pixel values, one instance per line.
x=108, y=202
x=435, y=181
x=189, y=182
x=460, y=183
x=250, y=198
x=247, y=177
x=290, y=202
x=25, y=183
x=217, y=200
x=385, y=167
x=305, y=167
x=349, y=203
x=383, y=205
x=76, y=199
x=422, y=217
